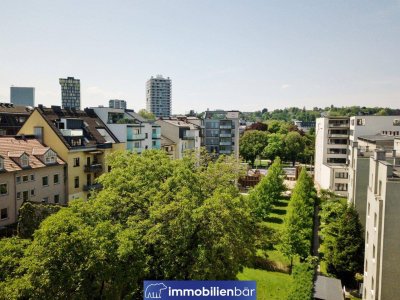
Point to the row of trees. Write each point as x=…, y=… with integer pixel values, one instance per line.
x=281, y=139
x=155, y=218
x=343, y=239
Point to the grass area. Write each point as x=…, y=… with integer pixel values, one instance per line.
x=262, y=163
x=270, y=285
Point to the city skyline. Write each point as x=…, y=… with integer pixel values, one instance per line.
x=226, y=55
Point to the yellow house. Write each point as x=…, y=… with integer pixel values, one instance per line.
x=80, y=138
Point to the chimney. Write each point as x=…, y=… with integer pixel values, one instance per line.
x=379, y=154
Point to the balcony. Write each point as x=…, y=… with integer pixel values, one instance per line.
x=229, y=143
x=338, y=135
x=225, y=135
x=135, y=137
x=225, y=151
x=93, y=168
x=92, y=186
x=71, y=132
x=339, y=125
x=156, y=135
x=225, y=126
x=188, y=135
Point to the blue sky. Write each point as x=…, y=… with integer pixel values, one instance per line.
x=226, y=54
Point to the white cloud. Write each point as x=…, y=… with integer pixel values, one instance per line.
x=285, y=86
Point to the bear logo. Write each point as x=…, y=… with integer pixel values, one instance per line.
x=153, y=290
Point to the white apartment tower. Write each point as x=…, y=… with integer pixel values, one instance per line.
x=158, y=96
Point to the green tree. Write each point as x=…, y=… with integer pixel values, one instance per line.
x=252, y=143
x=268, y=191
x=147, y=115
x=303, y=282
x=294, y=146
x=298, y=226
x=275, y=147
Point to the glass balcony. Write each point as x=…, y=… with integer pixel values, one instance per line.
x=93, y=168
x=92, y=186
x=137, y=136
x=71, y=132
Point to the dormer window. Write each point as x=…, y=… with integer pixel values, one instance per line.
x=50, y=157
x=24, y=161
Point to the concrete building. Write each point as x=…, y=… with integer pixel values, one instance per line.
x=183, y=134
x=80, y=138
x=29, y=171
x=116, y=103
x=221, y=132
x=158, y=96
x=130, y=128
x=359, y=171
x=70, y=93
x=304, y=125
x=335, y=138
x=23, y=96
x=382, y=242
x=12, y=118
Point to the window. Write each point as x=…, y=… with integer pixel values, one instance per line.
x=3, y=189
x=76, y=182
x=372, y=283
x=25, y=195
x=375, y=219
x=18, y=179
x=25, y=178
x=4, y=213
x=45, y=200
x=367, y=237
x=33, y=192
x=360, y=122
x=24, y=161
x=45, y=181
x=369, y=208
x=56, y=178
x=396, y=122
x=76, y=162
x=341, y=175
x=18, y=195
x=56, y=198
x=341, y=187
x=32, y=177
x=366, y=265
x=380, y=188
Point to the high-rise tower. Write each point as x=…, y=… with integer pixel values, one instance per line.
x=158, y=96
x=70, y=92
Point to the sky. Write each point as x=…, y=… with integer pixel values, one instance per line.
x=220, y=54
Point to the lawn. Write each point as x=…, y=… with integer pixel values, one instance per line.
x=270, y=285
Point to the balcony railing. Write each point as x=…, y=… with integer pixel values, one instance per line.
x=156, y=135
x=92, y=186
x=225, y=134
x=225, y=126
x=71, y=132
x=135, y=137
x=226, y=143
x=339, y=125
x=225, y=151
x=93, y=168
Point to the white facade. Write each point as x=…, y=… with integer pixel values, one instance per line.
x=130, y=128
x=117, y=103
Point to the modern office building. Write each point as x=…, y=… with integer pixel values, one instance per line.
x=179, y=135
x=12, y=118
x=382, y=242
x=158, y=96
x=70, y=93
x=29, y=171
x=80, y=138
x=22, y=96
x=117, y=103
x=221, y=132
x=335, y=138
x=130, y=128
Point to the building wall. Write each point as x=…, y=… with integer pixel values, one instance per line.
x=158, y=96
x=24, y=96
x=8, y=201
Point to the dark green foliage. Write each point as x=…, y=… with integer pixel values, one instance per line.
x=252, y=143
x=31, y=215
x=303, y=282
x=298, y=230
x=268, y=191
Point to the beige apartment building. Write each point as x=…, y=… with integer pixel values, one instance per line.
x=382, y=239
x=29, y=171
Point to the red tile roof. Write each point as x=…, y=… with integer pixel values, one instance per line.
x=14, y=147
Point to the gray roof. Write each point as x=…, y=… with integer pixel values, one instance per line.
x=326, y=288
x=377, y=137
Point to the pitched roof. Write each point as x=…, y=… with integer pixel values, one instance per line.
x=166, y=141
x=93, y=128
x=10, y=108
x=327, y=288
x=14, y=147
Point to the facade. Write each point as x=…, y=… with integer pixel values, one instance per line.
x=382, y=241
x=335, y=138
x=183, y=134
x=23, y=96
x=359, y=171
x=80, y=138
x=303, y=125
x=12, y=118
x=169, y=147
x=116, y=103
x=70, y=93
x=130, y=128
x=158, y=96
x=29, y=171
x=221, y=132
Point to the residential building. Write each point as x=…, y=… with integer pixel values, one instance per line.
x=70, y=93
x=335, y=137
x=12, y=118
x=169, y=147
x=29, y=171
x=80, y=138
x=183, y=134
x=382, y=241
x=137, y=133
x=221, y=132
x=116, y=103
x=359, y=171
x=304, y=125
x=158, y=96
x=23, y=96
